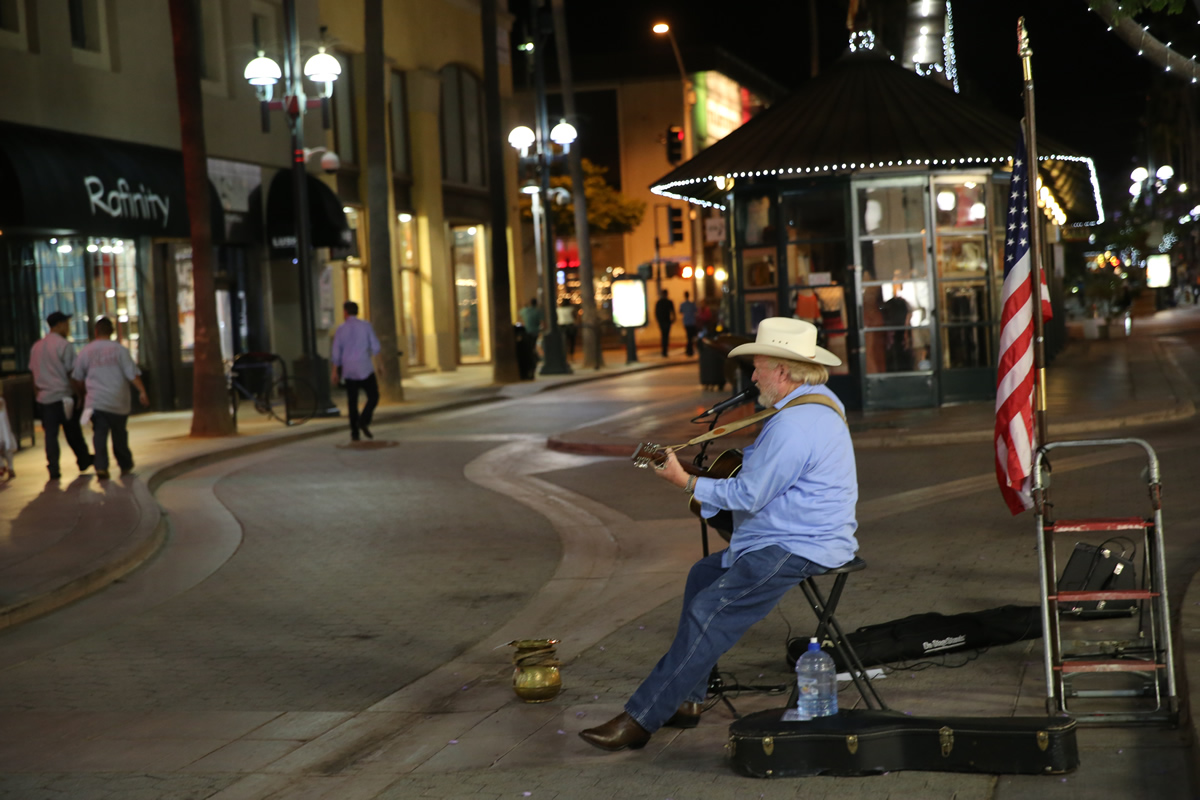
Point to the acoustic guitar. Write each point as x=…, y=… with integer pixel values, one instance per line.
x=726, y=465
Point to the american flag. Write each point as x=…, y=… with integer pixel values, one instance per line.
x=1014, y=374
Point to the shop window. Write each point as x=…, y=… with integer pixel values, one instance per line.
x=185, y=303
x=899, y=259
x=90, y=278
x=264, y=28
x=85, y=19
x=963, y=274
x=896, y=320
x=960, y=204
x=88, y=20
x=13, y=28
x=462, y=128
x=62, y=284
x=210, y=44
x=399, y=115
x=818, y=213
x=10, y=16
x=344, y=142
x=470, y=281
x=966, y=343
x=888, y=210
x=755, y=221
x=961, y=257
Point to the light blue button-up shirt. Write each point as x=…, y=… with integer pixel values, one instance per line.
x=353, y=345
x=797, y=488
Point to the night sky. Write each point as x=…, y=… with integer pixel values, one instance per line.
x=1091, y=88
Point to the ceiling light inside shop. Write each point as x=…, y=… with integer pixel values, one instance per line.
x=404, y=217
x=978, y=211
x=111, y=293
x=946, y=200
x=93, y=248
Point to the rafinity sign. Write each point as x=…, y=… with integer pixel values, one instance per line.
x=121, y=203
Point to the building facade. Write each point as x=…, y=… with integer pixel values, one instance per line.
x=94, y=221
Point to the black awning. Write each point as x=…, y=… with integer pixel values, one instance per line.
x=327, y=221
x=70, y=183
x=101, y=187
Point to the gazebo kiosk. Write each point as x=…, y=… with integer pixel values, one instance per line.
x=873, y=202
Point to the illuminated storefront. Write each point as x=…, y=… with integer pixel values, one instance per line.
x=873, y=202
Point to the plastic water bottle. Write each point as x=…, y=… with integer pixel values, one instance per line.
x=816, y=678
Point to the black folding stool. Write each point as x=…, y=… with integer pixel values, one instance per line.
x=829, y=632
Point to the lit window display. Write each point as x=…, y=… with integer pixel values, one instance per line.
x=89, y=278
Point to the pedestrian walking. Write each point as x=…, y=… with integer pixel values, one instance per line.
x=52, y=359
x=687, y=314
x=664, y=313
x=106, y=369
x=566, y=321
x=355, y=347
x=793, y=504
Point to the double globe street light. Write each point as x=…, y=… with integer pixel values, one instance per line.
x=523, y=139
x=323, y=70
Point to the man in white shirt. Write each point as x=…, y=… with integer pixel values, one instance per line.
x=107, y=369
x=52, y=359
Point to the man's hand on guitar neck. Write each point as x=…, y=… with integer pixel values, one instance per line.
x=672, y=471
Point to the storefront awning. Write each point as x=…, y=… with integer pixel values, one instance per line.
x=68, y=183
x=866, y=114
x=327, y=221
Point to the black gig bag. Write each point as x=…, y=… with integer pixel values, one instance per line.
x=867, y=742
x=924, y=636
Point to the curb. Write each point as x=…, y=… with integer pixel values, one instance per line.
x=145, y=541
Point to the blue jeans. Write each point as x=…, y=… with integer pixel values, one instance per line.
x=54, y=416
x=719, y=605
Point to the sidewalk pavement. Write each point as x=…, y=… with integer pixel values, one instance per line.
x=62, y=544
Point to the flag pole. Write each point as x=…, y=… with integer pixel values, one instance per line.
x=1035, y=233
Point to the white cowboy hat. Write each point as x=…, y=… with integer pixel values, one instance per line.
x=783, y=337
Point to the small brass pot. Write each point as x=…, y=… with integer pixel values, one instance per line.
x=536, y=678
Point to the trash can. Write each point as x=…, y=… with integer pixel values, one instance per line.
x=718, y=369
x=712, y=365
x=526, y=353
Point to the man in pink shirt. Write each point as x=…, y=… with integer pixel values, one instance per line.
x=354, y=349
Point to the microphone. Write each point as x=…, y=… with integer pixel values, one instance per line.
x=737, y=400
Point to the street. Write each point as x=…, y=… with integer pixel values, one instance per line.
x=313, y=587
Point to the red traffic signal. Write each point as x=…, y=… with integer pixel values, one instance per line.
x=674, y=144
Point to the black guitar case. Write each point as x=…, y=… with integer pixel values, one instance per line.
x=867, y=742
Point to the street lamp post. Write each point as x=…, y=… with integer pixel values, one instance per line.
x=522, y=138
x=689, y=146
x=323, y=69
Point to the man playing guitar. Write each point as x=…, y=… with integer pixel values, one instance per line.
x=792, y=502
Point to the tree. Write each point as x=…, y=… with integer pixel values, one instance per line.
x=609, y=211
x=211, y=415
x=1119, y=17
x=379, y=229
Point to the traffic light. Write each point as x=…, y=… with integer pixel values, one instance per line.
x=674, y=144
x=670, y=270
x=674, y=225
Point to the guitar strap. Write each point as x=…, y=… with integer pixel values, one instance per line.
x=733, y=427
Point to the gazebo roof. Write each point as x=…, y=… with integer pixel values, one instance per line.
x=868, y=114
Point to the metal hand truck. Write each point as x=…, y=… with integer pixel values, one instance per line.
x=1133, y=664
